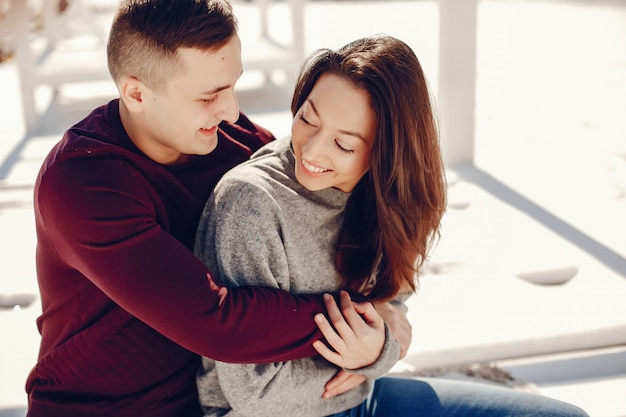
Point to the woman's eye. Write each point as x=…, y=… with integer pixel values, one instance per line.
x=304, y=120
x=208, y=100
x=342, y=149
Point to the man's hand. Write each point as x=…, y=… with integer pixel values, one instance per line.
x=357, y=334
x=398, y=324
x=343, y=381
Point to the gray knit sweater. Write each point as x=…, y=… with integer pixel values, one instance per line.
x=262, y=227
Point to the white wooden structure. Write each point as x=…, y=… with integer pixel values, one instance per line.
x=40, y=65
x=44, y=60
x=456, y=98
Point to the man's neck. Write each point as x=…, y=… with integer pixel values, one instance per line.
x=151, y=149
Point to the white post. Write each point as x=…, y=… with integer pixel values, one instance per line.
x=263, y=12
x=457, y=79
x=21, y=15
x=297, y=29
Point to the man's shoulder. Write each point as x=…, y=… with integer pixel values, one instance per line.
x=247, y=133
x=99, y=132
x=97, y=147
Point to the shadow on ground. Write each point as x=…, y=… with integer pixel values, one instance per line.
x=13, y=412
x=503, y=192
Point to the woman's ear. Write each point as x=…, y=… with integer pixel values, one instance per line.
x=132, y=93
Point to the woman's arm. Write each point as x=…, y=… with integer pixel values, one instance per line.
x=243, y=240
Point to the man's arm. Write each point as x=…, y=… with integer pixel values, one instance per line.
x=394, y=314
x=106, y=225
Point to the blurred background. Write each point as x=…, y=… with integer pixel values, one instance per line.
x=527, y=285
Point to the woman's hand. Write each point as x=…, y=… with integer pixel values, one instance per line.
x=357, y=333
x=399, y=325
x=343, y=381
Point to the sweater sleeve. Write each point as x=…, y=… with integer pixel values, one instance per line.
x=105, y=224
x=243, y=240
x=239, y=236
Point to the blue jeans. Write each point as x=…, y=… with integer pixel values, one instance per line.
x=435, y=397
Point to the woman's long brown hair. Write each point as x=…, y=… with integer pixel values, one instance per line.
x=393, y=215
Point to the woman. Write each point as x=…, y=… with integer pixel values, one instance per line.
x=353, y=199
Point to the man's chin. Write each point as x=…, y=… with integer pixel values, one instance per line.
x=208, y=147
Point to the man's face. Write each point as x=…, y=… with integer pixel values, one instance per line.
x=182, y=119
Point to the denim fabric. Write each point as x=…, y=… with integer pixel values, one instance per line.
x=435, y=397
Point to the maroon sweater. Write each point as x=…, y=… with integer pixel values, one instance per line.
x=127, y=308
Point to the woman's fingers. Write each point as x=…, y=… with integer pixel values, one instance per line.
x=343, y=381
x=331, y=337
x=368, y=314
x=354, y=340
x=343, y=319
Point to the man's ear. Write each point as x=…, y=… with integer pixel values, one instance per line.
x=132, y=93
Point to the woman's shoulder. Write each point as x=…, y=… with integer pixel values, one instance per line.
x=275, y=148
x=255, y=179
x=266, y=168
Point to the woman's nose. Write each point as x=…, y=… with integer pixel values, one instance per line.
x=314, y=147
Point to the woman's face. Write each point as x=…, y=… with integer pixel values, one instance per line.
x=332, y=135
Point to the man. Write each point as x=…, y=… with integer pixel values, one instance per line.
x=127, y=308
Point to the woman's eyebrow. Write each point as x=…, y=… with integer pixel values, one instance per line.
x=343, y=131
x=308, y=100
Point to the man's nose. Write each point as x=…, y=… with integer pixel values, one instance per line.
x=228, y=106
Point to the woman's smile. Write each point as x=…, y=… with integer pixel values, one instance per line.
x=312, y=168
